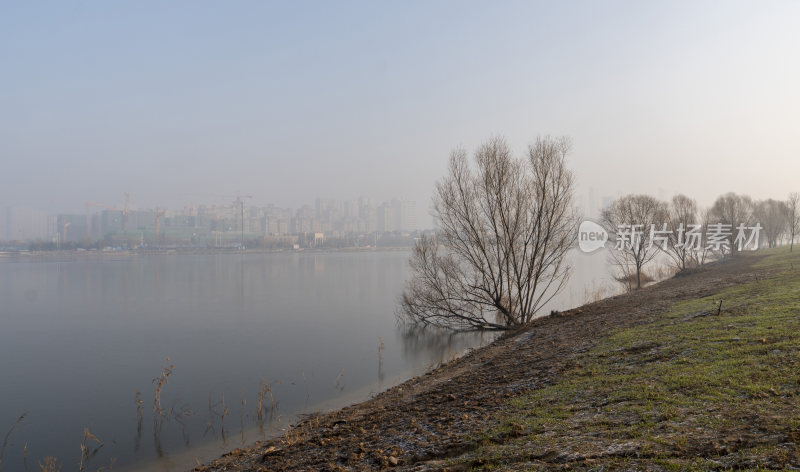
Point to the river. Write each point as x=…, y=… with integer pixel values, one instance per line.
x=302, y=331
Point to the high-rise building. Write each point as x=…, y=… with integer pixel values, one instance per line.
x=408, y=216
x=386, y=217
x=404, y=215
x=25, y=224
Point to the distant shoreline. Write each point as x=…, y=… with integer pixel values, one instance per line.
x=7, y=255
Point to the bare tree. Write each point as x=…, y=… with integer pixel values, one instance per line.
x=730, y=210
x=705, y=222
x=793, y=204
x=506, y=227
x=682, y=219
x=633, y=221
x=773, y=215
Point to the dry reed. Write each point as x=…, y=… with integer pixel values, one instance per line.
x=160, y=382
x=8, y=435
x=87, y=452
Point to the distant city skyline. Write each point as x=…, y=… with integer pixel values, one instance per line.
x=36, y=223
x=281, y=100
x=330, y=216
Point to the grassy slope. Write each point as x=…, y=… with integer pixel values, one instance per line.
x=694, y=390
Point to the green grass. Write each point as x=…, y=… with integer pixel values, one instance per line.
x=683, y=392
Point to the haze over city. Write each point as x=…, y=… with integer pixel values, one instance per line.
x=399, y=235
x=287, y=102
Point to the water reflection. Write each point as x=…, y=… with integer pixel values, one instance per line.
x=438, y=345
x=260, y=336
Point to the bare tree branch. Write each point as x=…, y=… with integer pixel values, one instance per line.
x=506, y=226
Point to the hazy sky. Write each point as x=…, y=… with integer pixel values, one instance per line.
x=286, y=101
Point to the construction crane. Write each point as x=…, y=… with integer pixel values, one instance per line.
x=239, y=202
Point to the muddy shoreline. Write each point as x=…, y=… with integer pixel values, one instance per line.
x=421, y=423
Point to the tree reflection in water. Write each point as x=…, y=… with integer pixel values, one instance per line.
x=440, y=345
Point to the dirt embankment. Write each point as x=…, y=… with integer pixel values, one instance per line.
x=420, y=424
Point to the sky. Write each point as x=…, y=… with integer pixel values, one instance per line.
x=176, y=102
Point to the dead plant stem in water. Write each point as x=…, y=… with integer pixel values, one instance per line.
x=160, y=382
x=86, y=451
x=8, y=434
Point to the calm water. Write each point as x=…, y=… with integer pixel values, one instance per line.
x=79, y=336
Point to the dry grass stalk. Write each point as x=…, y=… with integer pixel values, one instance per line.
x=50, y=465
x=160, y=382
x=139, y=418
x=242, y=414
x=264, y=390
x=223, y=414
x=241, y=418
x=8, y=434
x=139, y=409
x=294, y=434
x=87, y=452
x=291, y=437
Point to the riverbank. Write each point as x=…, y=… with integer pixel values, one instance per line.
x=663, y=378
